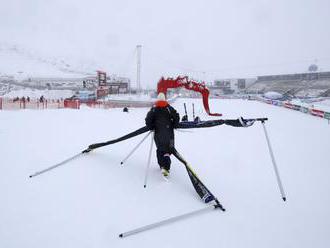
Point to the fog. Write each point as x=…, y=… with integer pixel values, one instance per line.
x=203, y=39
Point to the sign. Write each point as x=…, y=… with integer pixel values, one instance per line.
x=317, y=112
x=327, y=115
x=102, y=78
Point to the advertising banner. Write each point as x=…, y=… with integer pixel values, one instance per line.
x=317, y=112
x=327, y=115
x=288, y=105
x=304, y=109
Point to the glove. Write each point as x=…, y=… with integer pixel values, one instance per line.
x=245, y=123
x=197, y=119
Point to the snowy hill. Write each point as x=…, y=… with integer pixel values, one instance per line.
x=36, y=94
x=89, y=201
x=23, y=63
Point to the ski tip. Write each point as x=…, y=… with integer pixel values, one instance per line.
x=120, y=235
x=284, y=198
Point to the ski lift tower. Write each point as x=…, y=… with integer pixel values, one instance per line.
x=138, y=68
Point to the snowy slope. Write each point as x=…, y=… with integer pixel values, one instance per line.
x=36, y=94
x=89, y=201
x=23, y=63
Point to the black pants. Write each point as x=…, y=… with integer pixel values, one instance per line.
x=164, y=159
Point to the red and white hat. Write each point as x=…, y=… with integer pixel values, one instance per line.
x=161, y=100
x=161, y=97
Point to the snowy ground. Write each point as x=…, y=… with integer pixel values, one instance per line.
x=36, y=94
x=320, y=105
x=89, y=201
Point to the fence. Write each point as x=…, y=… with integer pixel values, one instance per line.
x=74, y=104
x=303, y=109
x=12, y=104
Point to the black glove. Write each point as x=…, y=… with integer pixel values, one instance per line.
x=245, y=123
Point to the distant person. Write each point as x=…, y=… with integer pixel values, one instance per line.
x=163, y=118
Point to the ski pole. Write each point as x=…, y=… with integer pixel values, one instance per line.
x=193, y=107
x=60, y=164
x=167, y=221
x=134, y=149
x=185, y=109
x=274, y=163
x=149, y=159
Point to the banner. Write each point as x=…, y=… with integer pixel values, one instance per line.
x=327, y=115
x=75, y=104
x=316, y=112
x=296, y=107
x=288, y=105
x=304, y=109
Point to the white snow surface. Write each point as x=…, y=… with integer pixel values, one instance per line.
x=273, y=95
x=320, y=105
x=323, y=105
x=89, y=201
x=22, y=63
x=36, y=94
x=130, y=97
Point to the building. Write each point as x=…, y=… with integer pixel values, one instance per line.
x=230, y=86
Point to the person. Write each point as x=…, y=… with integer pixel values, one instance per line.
x=163, y=119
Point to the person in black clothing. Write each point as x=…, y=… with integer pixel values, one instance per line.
x=163, y=118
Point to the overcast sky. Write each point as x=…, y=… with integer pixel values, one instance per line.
x=204, y=39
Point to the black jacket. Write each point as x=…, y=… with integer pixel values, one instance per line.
x=163, y=120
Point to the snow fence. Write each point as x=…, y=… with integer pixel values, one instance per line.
x=296, y=107
x=24, y=103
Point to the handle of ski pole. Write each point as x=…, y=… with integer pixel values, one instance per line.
x=87, y=150
x=258, y=119
x=94, y=146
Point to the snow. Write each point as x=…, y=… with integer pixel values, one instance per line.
x=36, y=94
x=22, y=63
x=317, y=104
x=89, y=201
x=130, y=97
x=273, y=95
x=323, y=105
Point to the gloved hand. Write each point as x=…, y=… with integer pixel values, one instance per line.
x=184, y=118
x=245, y=123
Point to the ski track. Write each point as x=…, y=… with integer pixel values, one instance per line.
x=91, y=200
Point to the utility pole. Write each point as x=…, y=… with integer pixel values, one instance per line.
x=138, y=68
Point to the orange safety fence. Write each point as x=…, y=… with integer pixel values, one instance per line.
x=13, y=104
